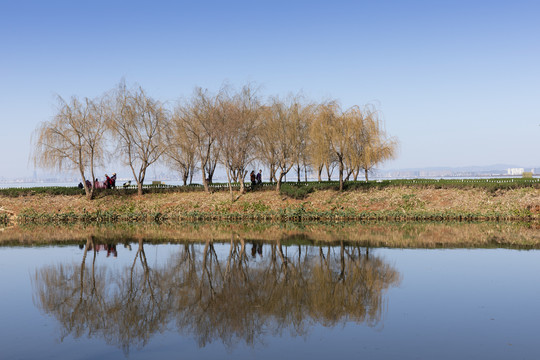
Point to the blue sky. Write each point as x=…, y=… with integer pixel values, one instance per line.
x=458, y=82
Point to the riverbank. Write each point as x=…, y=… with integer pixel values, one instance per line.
x=375, y=204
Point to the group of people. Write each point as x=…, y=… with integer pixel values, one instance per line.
x=108, y=183
x=255, y=179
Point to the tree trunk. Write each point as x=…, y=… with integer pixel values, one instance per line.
x=91, y=195
x=272, y=173
x=88, y=192
x=328, y=172
x=140, y=181
x=211, y=168
x=366, y=173
x=205, y=183
x=349, y=172
x=278, y=185
x=242, y=185
x=230, y=186
x=241, y=177
x=340, y=174
x=319, y=173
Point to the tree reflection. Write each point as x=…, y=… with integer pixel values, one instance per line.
x=212, y=294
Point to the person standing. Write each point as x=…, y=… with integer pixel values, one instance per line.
x=259, y=177
x=113, y=181
x=252, y=178
x=107, y=181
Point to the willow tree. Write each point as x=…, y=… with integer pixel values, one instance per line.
x=303, y=140
x=180, y=150
x=138, y=127
x=339, y=133
x=201, y=121
x=356, y=124
x=377, y=146
x=267, y=150
x=240, y=122
x=74, y=139
x=320, y=142
x=281, y=127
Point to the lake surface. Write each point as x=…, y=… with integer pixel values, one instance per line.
x=262, y=300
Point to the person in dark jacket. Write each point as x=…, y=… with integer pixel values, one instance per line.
x=259, y=177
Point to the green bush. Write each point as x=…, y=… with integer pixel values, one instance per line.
x=50, y=190
x=296, y=191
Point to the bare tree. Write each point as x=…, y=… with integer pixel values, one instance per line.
x=340, y=133
x=281, y=126
x=138, y=127
x=201, y=122
x=355, y=121
x=74, y=139
x=319, y=134
x=180, y=150
x=303, y=124
x=241, y=121
x=377, y=147
x=267, y=150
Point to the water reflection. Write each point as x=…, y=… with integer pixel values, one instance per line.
x=409, y=235
x=109, y=248
x=229, y=292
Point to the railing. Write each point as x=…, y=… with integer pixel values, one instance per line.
x=271, y=185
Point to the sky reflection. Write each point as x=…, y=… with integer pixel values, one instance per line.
x=206, y=300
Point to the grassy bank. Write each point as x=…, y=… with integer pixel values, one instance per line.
x=430, y=201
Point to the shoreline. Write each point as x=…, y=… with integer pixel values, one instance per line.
x=360, y=205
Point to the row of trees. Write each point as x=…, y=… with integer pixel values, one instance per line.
x=232, y=128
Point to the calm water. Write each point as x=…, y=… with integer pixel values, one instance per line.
x=256, y=300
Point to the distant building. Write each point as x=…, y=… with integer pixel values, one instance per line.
x=515, y=171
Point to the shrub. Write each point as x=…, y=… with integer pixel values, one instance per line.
x=296, y=191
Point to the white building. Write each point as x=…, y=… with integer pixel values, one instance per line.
x=515, y=171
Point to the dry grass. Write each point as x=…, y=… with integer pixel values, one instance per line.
x=386, y=199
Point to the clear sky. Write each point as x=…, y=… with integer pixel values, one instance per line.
x=458, y=82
